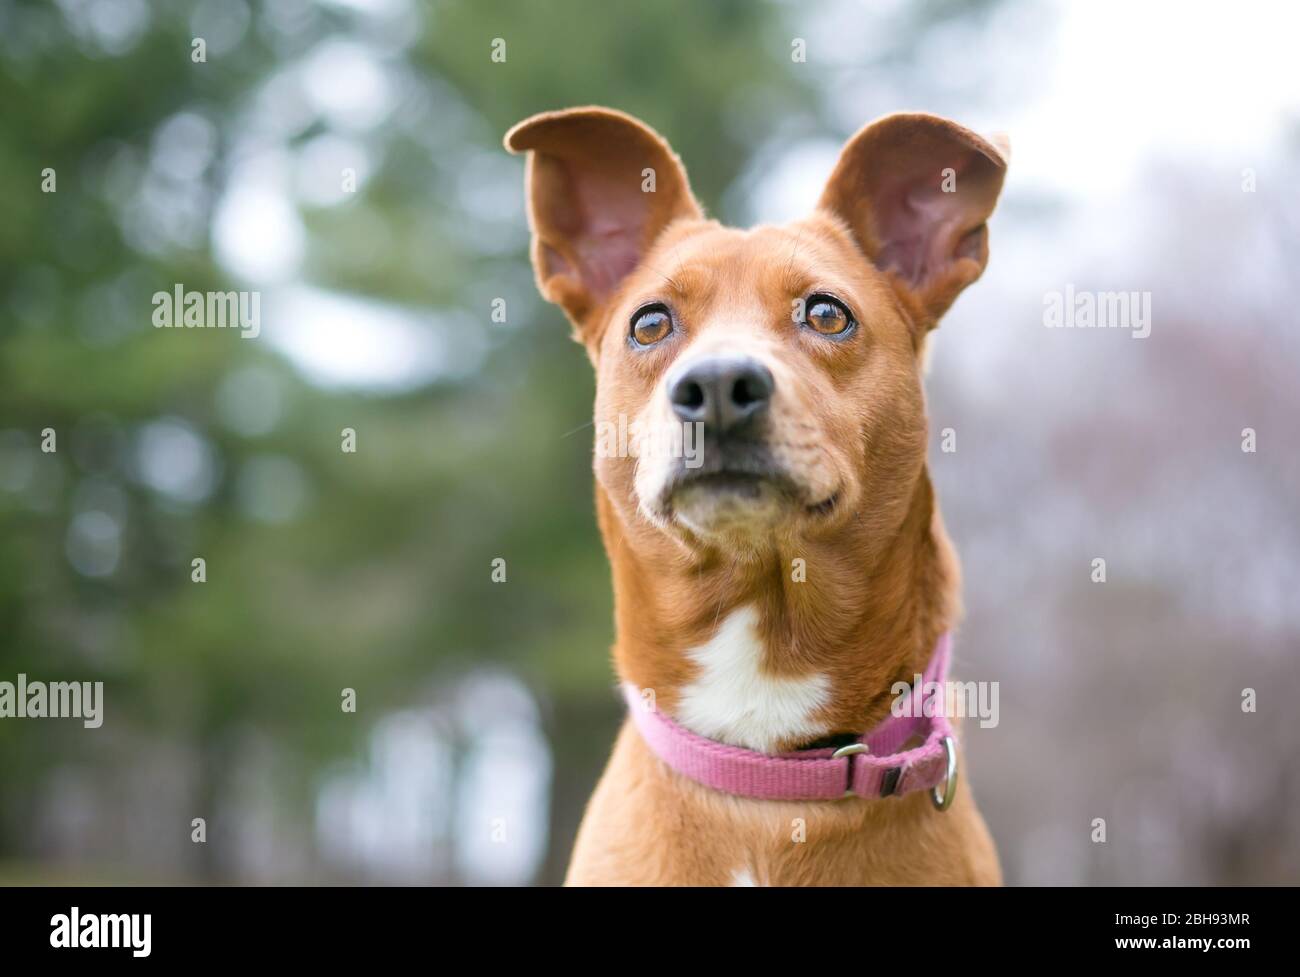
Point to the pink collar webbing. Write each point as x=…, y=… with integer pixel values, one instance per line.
x=869, y=767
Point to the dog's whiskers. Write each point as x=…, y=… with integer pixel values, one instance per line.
x=576, y=429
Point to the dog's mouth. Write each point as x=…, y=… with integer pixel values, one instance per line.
x=744, y=484
x=731, y=496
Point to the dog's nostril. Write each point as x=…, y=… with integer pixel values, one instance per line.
x=688, y=394
x=751, y=389
x=743, y=393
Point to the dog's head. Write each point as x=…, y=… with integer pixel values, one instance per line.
x=760, y=382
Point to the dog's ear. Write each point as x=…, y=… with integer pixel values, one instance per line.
x=915, y=191
x=601, y=187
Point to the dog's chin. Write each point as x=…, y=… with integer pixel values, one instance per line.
x=737, y=507
x=728, y=506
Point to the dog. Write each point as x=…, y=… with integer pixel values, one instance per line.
x=769, y=597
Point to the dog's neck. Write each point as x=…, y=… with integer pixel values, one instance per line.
x=788, y=645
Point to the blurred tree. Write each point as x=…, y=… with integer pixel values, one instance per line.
x=324, y=569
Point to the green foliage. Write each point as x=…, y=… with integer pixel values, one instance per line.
x=381, y=580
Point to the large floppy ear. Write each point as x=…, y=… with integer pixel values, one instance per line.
x=915, y=191
x=601, y=187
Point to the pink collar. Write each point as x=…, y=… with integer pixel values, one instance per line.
x=869, y=767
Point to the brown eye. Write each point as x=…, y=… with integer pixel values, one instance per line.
x=651, y=324
x=827, y=315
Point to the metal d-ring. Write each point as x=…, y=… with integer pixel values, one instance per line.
x=849, y=750
x=950, y=782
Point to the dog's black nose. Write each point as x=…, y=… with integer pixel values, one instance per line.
x=723, y=393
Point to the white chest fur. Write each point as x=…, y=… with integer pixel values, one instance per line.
x=733, y=700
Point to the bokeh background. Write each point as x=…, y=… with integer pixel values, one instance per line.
x=1156, y=148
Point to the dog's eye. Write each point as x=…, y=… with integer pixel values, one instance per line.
x=651, y=324
x=827, y=315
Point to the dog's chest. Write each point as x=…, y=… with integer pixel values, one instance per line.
x=734, y=700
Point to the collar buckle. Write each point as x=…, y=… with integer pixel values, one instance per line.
x=850, y=750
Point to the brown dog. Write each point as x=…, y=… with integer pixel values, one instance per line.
x=771, y=593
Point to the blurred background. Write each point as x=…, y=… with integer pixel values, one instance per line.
x=1156, y=148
